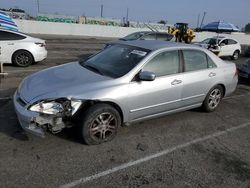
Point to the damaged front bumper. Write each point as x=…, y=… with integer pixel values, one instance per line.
x=37, y=122
x=26, y=117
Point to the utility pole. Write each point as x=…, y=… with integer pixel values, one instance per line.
x=198, y=21
x=127, y=16
x=38, y=6
x=101, y=11
x=204, y=15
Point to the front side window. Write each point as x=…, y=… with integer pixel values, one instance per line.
x=194, y=60
x=133, y=36
x=116, y=60
x=5, y=35
x=165, y=63
x=225, y=42
x=211, y=41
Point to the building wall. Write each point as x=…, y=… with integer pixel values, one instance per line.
x=37, y=27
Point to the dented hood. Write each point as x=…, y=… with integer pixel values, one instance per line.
x=59, y=81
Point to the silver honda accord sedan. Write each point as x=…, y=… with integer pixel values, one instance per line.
x=129, y=81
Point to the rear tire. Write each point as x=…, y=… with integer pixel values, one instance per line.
x=213, y=99
x=99, y=124
x=22, y=58
x=235, y=55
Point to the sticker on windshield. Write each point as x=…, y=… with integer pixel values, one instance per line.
x=138, y=52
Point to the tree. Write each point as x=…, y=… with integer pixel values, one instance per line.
x=162, y=22
x=247, y=28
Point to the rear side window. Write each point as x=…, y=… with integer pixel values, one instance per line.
x=210, y=62
x=5, y=35
x=149, y=37
x=230, y=41
x=195, y=60
x=164, y=37
x=165, y=63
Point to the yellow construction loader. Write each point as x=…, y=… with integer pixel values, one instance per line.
x=182, y=33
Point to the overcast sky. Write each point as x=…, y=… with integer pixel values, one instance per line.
x=234, y=11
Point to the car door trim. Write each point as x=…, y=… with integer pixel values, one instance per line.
x=170, y=102
x=155, y=105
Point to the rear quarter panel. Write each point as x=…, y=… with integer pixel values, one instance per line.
x=230, y=77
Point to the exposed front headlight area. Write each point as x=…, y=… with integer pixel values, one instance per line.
x=51, y=114
x=47, y=108
x=63, y=107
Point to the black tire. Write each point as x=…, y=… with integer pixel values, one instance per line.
x=213, y=99
x=22, y=58
x=99, y=124
x=235, y=55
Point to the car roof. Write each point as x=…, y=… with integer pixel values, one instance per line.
x=222, y=37
x=153, y=44
x=149, y=32
x=13, y=31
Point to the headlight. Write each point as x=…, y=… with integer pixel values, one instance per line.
x=47, y=107
x=63, y=106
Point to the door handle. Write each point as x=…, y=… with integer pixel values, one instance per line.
x=212, y=74
x=176, y=82
x=10, y=43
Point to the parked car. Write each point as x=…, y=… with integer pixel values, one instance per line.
x=128, y=82
x=145, y=35
x=225, y=46
x=247, y=52
x=20, y=49
x=148, y=35
x=244, y=70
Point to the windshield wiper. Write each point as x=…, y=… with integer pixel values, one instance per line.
x=91, y=67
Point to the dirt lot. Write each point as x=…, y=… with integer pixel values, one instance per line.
x=188, y=149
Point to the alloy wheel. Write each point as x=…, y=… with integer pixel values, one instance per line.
x=214, y=98
x=22, y=59
x=103, y=126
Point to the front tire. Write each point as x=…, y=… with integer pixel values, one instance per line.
x=213, y=99
x=99, y=124
x=235, y=55
x=22, y=58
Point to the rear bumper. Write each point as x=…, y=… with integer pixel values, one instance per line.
x=40, y=55
x=26, y=118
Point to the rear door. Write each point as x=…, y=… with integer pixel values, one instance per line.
x=8, y=41
x=147, y=98
x=198, y=78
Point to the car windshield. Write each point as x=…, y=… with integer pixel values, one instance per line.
x=133, y=36
x=211, y=41
x=115, y=61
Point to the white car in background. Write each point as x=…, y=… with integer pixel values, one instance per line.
x=20, y=49
x=224, y=45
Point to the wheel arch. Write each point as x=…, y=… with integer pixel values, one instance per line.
x=87, y=104
x=33, y=59
x=223, y=87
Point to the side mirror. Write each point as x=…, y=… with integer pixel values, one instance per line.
x=222, y=44
x=146, y=76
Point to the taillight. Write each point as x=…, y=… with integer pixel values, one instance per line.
x=40, y=44
x=236, y=72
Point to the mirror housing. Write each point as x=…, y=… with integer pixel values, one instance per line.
x=222, y=44
x=147, y=76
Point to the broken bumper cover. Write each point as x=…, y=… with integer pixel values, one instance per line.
x=26, y=118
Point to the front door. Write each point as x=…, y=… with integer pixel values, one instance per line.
x=149, y=98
